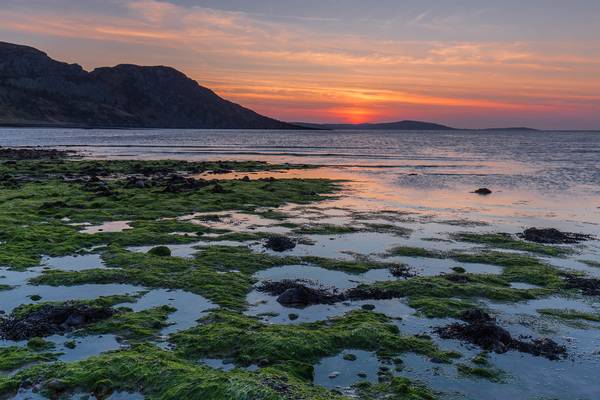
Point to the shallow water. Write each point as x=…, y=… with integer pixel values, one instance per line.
x=190, y=307
x=9, y=299
x=74, y=262
x=421, y=181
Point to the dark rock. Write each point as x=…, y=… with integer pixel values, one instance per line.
x=296, y=294
x=177, y=184
x=482, y=330
x=217, y=188
x=542, y=347
x=293, y=316
x=402, y=271
x=553, y=236
x=138, y=183
x=56, y=386
x=280, y=243
x=588, y=286
x=483, y=191
x=50, y=319
x=457, y=278
x=160, y=251
x=368, y=307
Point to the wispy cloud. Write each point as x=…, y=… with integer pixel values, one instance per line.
x=289, y=70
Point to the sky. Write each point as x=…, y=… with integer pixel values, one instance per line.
x=465, y=63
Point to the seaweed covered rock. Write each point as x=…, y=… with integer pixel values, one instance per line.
x=482, y=330
x=49, y=319
x=178, y=183
x=160, y=251
x=587, y=286
x=280, y=243
x=402, y=271
x=297, y=294
x=553, y=236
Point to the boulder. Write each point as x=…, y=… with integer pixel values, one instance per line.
x=483, y=191
x=553, y=236
x=280, y=243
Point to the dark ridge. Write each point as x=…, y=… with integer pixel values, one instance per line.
x=400, y=125
x=36, y=90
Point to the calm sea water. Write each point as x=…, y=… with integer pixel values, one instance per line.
x=554, y=161
x=551, y=174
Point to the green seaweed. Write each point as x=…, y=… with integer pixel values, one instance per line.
x=160, y=374
x=14, y=357
x=224, y=334
x=133, y=326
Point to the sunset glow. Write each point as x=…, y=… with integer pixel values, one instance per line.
x=339, y=61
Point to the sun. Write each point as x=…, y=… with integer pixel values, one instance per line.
x=353, y=115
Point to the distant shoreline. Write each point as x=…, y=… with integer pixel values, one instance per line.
x=300, y=129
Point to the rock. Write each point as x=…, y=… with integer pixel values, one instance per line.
x=401, y=271
x=293, y=316
x=483, y=191
x=368, y=307
x=553, y=236
x=35, y=297
x=459, y=270
x=51, y=319
x=362, y=375
x=457, y=278
x=349, y=357
x=39, y=344
x=482, y=330
x=177, y=184
x=160, y=251
x=297, y=295
x=543, y=347
x=217, y=188
x=588, y=286
x=280, y=243
x=56, y=386
x=334, y=375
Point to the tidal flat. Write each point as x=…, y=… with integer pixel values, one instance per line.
x=173, y=279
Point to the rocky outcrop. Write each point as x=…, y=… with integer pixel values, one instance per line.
x=37, y=90
x=50, y=319
x=553, y=236
x=482, y=330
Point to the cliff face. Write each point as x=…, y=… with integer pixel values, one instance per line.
x=35, y=89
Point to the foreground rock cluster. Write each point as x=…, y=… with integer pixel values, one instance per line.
x=50, y=319
x=482, y=330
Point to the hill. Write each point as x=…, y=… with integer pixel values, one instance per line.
x=36, y=90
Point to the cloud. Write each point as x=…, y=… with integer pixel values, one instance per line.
x=282, y=67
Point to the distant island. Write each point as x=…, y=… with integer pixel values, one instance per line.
x=400, y=125
x=36, y=90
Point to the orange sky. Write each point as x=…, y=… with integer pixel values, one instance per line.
x=467, y=68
